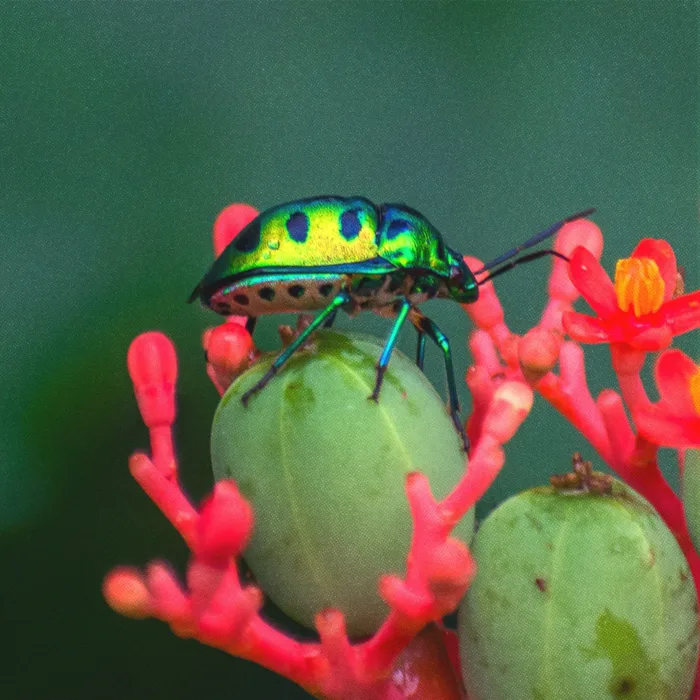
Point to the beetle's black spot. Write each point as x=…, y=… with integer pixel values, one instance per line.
x=396, y=227
x=298, y=226
x=241, y=299
x=350, y=225
x=325, y=289
x=249, y=238
x=267, y=293
x=296, y=290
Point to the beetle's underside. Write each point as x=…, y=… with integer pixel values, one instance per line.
x=297, y=292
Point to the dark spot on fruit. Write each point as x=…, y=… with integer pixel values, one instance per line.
x=249, y=238
x=296, y=291
x=267, y=293
x=683, y=576
x=298, y=226
x=541, y=584
x=325, y=289
x=623, y=687
x=241, y=299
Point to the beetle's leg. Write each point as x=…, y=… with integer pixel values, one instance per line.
x=404, y=307
x=331, y=319
x=342, y=298
x=250, y=324
x=424, y=325
x=420, y=350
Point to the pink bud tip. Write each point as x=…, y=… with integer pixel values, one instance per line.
x=228, y=348
x=225, y=523
x=538, y=352
x=511, y=403
x=230, y=222
x=152, y=365
x=330, y=624
x=126, y=593
x=581, y=232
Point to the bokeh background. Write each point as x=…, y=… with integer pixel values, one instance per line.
x=126, y=127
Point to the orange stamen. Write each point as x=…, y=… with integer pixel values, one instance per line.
x=695, y=390
x=639, y=285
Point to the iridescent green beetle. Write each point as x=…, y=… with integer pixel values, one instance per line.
x=330, y=253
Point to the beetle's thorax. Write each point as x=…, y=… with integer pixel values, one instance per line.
x=379, y=294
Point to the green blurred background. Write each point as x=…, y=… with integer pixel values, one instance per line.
x=126, y=127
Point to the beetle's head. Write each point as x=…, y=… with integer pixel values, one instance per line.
x=461, y=285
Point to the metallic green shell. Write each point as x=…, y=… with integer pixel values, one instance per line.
x=328, y=235
x=408, y=240
x=304, y=233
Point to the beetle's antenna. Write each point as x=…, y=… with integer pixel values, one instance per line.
x=537, y=238
x=524, y=258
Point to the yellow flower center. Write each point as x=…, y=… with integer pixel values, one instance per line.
x=639, y=285
x=695, y=390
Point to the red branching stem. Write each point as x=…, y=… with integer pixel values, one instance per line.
x=620, y=434
x=628, y=364
x=486, y=462
x=216, y=608
x=569, y=394
x=162, y=450
x=166, y=494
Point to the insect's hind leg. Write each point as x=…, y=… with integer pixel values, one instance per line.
x=338, y=301
x=425, y=325
x=403, y=308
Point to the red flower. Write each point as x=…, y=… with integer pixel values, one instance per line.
x=640, y=310
x=675, y=420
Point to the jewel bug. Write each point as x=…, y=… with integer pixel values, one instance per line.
x=329, y=253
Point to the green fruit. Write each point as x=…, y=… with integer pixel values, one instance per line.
x=325, y=468
x=691, y=495
x=578, y=596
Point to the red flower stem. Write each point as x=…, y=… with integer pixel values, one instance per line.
x=162, y=449
x=166, y=494
x=277, y=652
x=585, y=421
x=484, y=465
x=381, y=651
x=632, y=389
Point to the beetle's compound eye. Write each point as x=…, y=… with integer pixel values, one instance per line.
x=456, y=275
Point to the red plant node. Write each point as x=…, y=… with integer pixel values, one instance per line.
x=229, y=348
x=538, y=352
x=229, y=223
x=225, y=524
x=152, y=365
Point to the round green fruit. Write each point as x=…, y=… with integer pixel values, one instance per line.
x=324, y=468
x=578, y=596
x=691, y=494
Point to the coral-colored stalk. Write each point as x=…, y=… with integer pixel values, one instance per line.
x=218, y=609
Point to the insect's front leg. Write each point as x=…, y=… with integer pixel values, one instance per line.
x=420, y=350
x=402, y=310
x=425, y=325
x=341, y=299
